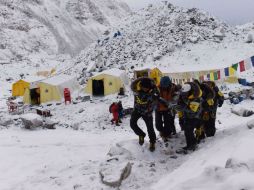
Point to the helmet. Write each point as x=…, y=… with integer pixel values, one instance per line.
x=186, y=88
x=165, y=82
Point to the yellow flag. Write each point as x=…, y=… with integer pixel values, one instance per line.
x=212, y=76
x=231, y=71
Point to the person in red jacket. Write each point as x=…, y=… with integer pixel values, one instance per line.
x=114, y=110
x=164, y=116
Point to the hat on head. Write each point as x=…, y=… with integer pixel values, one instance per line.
x=146, y=83
x=196, y=81
x=165, y=82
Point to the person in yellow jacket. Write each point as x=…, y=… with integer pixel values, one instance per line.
x=189, y=112
x=207, y=104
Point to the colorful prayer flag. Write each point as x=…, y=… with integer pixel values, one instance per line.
x=231, y=71
x=211, y=77
x=235, y=66
x=242, y=66
x=208, y=76
x=247, y=64
x=218, y=74
x=252, y=60
x=222, y=74
x=226, y=71
x=215, y=74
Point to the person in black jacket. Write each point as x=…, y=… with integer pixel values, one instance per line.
x=145, y=96
x=207, y=104
x=189, y=112
x=217, y=102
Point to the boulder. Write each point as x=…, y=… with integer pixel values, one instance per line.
x=242, y=112
x=31, y=120
x=113, y=177
x=250, y=124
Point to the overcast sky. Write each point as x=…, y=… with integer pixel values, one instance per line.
x=231, y=11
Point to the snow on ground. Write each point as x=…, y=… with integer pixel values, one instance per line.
x=85, y=143
x=224, y=162
x=65, y=158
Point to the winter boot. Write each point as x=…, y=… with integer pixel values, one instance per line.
x=152, y=147
x=190, y=147
x=117, y=124
x=119, y=120
x=164, y=137
x=141, y=140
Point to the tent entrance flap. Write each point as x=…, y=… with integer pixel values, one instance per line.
x=98, y=87
x=35, y=96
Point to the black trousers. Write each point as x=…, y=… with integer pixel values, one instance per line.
x=188, y=126
x=165, y=122
x=135, y=116
x=209, y=127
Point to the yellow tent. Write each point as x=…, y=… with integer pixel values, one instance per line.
x=51, y=89
x=153, y=73
x=106, y=82
x=156, y=74
x=19, y=87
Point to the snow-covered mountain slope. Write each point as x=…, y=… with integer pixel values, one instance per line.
x=49, y=27
x=85, y=142
x=166, y=35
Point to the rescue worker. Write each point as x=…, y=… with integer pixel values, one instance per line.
x=164, y=116
x=207, y=104
x=145, y=95
x=189, y=112
x=218, y=102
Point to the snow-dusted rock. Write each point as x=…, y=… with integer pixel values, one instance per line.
x=112, y=176
x=250, y=124
x=242, y=111
x=6, y=122
x=249, y=38
x=49, y=124
x=119, y=151
x=234, y=164
x=31, y=120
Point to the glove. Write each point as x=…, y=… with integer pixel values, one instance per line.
x=220, y=105
x=205, y=116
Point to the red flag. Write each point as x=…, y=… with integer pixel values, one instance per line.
x=218, y=75
x=242, y=66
